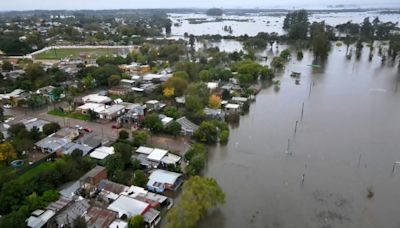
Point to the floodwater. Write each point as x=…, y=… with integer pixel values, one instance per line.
x=345, y=144
x=251, y=24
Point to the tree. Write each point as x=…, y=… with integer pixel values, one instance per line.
x=192, y=40
x=123, y=134
x=92, y=115
x=178, y=84
x=172, y=111
x=139, y=138
x=196, y=157
x=205, y=75
x=7, y=66
x=80, y=222
x=34, y=71
x=278, y=63
x=199, y=194
x=139, y=179
x=55, y=94
x=181, y=74
x=214, y=101
x=153, y=122
x=34, y=134
x=168, y=92
x=320, y=40
x=174, y=128
x=285, y=54
x=1, y=114
x=296, y=23
x=206, y=133
x=113, y=163
x=113, y=80
x=88, y=81
x=136, y=221
x=125, y=150
x=51, y=128
x=7, y=152
x=17, y=130
x=77, y=155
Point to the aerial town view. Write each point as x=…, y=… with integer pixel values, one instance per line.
x=209, y=114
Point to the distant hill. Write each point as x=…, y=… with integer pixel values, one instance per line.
x=215, y=12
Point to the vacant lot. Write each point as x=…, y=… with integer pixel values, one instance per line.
x=35, y=171
x=90, y=53
x=56, y=112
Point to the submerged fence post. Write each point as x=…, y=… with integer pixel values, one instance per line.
x=302, y=111
x=359, y=161
x=295, y=128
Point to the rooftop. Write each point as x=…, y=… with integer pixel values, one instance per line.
x=187, y=124
x=96, y=98
x=128, y=206
x=98, y=217
x=102, y=152
x=157, y=155
x=144, y=150
x=163, y=176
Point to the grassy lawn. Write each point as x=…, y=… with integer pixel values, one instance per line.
x=56, y=112
x=76, y=52
x=35, y=171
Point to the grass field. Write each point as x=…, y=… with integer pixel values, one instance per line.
x=35, y=171
x=91, y=53
x=56, y=112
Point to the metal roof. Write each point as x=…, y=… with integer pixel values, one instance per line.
x=163, y=176
x=128, y=206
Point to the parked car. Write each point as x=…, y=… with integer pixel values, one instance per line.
x=79, y=127
x=88, y=130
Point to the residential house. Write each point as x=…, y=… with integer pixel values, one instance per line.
x=102, y=152
x=212, y=113
x=73, y=211
x=94, y=176
x=119, y=90
x=161, y=180
x=52, y=144
x=39, y=218
x=96, y=98
x=232, y=108
x=97, y=217
x=67, y=133
x=127, y=207
x=153, y=105
x=166, y=121
x=118, y=224
x=112, y=112
x=31, y=123
x=187, y=127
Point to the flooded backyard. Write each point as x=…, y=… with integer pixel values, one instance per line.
x=345, y=144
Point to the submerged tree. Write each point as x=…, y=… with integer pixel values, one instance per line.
x=199, y=194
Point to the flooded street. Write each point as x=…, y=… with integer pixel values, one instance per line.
x=345, y=144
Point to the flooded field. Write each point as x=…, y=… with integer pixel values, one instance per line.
x=252, y=24
x=344, y=147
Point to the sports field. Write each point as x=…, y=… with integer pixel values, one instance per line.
x=90, y=53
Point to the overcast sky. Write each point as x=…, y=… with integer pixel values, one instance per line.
x=6, y=5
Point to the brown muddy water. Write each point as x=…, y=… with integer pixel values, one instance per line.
x=346, y=144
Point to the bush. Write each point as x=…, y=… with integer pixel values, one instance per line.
x=51, y=128
x=123, y=134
